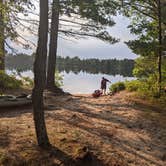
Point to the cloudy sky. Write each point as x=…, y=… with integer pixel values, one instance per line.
x=91, y=47
x=94, y=48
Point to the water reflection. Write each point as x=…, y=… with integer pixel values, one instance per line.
x=93, y=66
x=82, y=82
x=86, y=82
x=80, y=76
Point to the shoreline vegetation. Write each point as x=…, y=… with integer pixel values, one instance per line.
x=141, y=87
x=23, y=62
x=16, y=82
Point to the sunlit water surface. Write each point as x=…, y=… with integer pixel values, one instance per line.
x=83, y=83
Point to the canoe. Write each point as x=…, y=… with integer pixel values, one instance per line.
x=12, y=101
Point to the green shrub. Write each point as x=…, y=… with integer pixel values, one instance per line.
x=119, y=86
x=27, y=81
x=9, y=82
x=147, y=88
x=58, y=79
x=133, y=85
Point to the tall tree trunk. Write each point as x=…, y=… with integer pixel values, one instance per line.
x=53, y=45
x=2, y=39
x=160, y=48
x=40, y=76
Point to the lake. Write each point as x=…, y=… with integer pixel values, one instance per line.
x=83, y=82
x=80, y=76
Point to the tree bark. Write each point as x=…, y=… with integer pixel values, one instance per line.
x=2, y=40
x=160, y=48
x=53, y=45
x=40, y=76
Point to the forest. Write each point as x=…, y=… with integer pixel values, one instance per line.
x=23, y=62
x=41, y=124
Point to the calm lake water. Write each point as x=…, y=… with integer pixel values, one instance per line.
x=82, y=82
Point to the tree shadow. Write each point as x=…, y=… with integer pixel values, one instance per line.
x=57, y=157
x=34, y=155
x=10, y=112
x=87, y=160
x=16, y=111
x=125, y=145
x=133, y=125
x=4, y=138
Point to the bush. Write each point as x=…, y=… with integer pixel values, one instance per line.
x=133, y=85
x=147, y=88
x=27, y=81
x=119, y=86
x=58, y=79
x=9, y=82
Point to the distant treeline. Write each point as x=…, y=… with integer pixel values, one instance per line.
x=20, y=62
x=94, y=66
x=23, y=62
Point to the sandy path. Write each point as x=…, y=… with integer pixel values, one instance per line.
x=114, y=128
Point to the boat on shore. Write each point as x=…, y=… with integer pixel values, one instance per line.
x=13, y=101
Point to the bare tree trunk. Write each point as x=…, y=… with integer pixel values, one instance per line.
x=40, y=76
x=53, y=49
x=53, y=44
x=160, y=48
x=2, y=39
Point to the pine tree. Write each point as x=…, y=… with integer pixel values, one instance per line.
x=90, y=19
x=148, y=24
x=40, y=76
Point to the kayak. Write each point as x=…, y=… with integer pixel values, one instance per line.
x=12, y=101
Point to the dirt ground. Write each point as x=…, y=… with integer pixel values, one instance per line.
x=114, y=130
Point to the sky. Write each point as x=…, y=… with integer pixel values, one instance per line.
x=94, y=48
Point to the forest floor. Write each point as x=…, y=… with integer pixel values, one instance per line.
x=114, y=130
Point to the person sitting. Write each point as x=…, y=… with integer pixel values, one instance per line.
x=104, y=85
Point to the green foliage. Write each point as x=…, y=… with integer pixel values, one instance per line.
x=9, y=82
x=133, y=85
x=94, y=18
x=10, y=11
x=14, y=81
x=119, y=86
x=27, y=81
x=146, y=88
x=146, y=72
x=145, y=67
x=58, y=79
x=148, y=44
